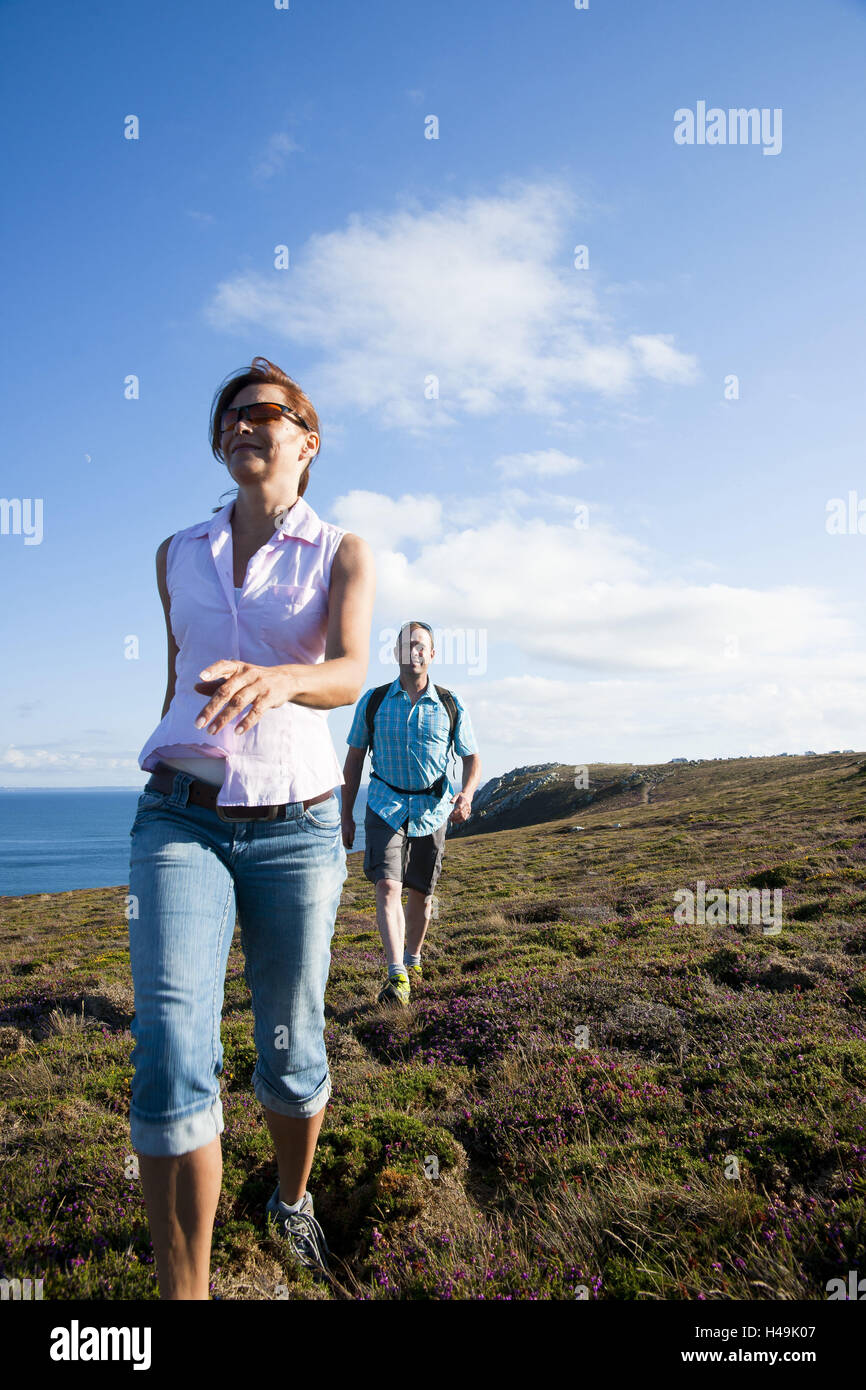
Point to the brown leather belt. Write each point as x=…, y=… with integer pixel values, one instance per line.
x=205, y=794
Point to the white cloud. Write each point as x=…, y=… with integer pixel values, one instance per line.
x=535, y=719
x=542, y=463
x=34, y=759
x=595, y=601
x=478, y=292
x=277, y=151
x=660, y=359
x=384, y=521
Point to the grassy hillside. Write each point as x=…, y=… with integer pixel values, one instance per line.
x=560, y=1167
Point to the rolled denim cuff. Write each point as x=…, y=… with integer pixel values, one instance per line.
x=163, y=1138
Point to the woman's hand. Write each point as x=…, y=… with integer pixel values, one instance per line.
x=241, y=684
x=462, y=808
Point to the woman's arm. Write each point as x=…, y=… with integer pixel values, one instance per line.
x=338, y=680
x=162, y=586
x=351, y=596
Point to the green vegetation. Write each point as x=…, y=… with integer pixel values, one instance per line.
x=582, y=1095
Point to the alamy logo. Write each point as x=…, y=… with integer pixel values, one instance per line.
x=75, y=1343
x=736, y=126
x=21, y=1288
x=855, y=1289
x=846, y=520
x=720, y=908
x=22, y=516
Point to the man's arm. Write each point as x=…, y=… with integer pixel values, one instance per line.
x=352, y=769
x=471, y=774
x=463, y=799
x=162, y=586
x=352, y=773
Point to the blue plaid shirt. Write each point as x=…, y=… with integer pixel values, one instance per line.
x=410, y=749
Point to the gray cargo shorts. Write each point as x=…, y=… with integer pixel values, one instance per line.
x=413, y=860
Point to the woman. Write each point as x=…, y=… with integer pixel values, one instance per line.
x=268, y=612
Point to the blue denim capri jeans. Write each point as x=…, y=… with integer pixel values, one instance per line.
x=190, y=875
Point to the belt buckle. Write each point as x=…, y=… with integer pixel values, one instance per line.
x=271, y=810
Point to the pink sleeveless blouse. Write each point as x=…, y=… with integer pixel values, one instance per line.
x=280, y=618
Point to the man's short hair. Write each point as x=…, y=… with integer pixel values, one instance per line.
x=409, y=626
x=417, y=624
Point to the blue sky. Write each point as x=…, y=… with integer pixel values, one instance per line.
x=704, y=609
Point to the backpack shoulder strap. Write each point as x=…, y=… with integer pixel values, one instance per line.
x=448, y=701
x=375, y=700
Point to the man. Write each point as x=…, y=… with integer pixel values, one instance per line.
x=409, y=800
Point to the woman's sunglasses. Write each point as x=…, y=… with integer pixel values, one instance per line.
x=258, y=414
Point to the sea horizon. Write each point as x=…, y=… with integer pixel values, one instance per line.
x=64, y=839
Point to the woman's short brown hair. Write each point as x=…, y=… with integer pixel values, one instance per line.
x=261, y=371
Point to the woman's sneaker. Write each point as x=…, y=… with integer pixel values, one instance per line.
x=395, y=991
x=302, y=1231
x=414, y=973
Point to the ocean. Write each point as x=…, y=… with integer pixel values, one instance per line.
x=55, y=839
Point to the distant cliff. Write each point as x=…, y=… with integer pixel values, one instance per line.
x=547, y=791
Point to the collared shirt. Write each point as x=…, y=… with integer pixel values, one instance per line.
x=280, y=618
x=410, y=749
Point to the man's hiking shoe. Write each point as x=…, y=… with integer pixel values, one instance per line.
x=395, y=991
x=414, y=973
x=302, y=1231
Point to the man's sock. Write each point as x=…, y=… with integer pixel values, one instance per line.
x=285, y=1208
x=410, y=959
x=395, y=970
